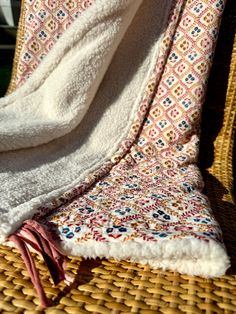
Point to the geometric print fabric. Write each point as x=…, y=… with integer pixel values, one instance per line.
x=153, y=192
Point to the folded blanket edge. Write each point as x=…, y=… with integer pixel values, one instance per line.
x=190, y=256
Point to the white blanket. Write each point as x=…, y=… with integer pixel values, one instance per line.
x=69, y=118
x=53, y=130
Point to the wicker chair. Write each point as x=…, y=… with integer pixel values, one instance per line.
x=104, y=286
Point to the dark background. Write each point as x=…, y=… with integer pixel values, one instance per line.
x=7, y=43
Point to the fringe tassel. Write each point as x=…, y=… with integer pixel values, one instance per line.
x=32, y=234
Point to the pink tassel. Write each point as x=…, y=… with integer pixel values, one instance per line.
x=32, y=234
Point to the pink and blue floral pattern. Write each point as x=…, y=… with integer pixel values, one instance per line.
x=151, y=188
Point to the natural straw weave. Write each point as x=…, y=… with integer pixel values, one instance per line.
x=110, y=287
x=19, y=45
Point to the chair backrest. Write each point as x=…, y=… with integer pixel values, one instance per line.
x=219, y=110
x=217, y=149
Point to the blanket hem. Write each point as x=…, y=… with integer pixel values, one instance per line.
x=190, y=256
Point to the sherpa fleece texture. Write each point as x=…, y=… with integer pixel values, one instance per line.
x=80, y=133
x=58, y=95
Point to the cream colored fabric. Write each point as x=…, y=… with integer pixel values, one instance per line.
x=74, y=132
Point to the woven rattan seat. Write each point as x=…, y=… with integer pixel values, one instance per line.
x=104, y=286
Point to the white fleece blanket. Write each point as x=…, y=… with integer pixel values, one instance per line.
x=56, y=102
x=69, y=118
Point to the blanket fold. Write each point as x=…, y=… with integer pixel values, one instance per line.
x=65, y=87
x=37, y=175
x=100, y=145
